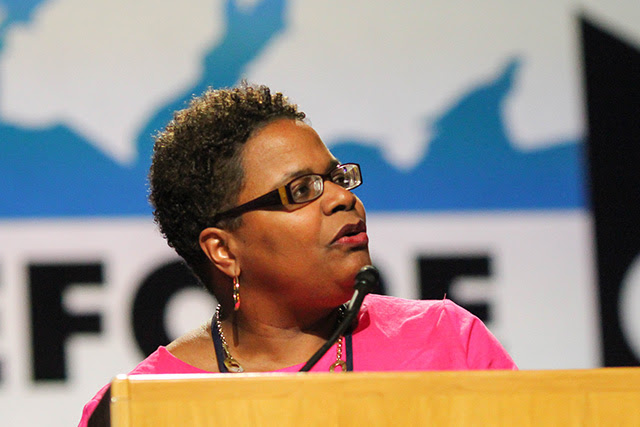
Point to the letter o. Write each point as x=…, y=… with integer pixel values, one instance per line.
x=151, y=300
x=629, y=306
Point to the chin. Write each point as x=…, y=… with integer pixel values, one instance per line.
x=355, y=263
x=363, y=258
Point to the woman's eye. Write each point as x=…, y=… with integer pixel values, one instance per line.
x=300, y=191
x=306, y=188
x=341, y=179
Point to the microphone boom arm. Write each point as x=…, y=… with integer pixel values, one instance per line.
x=366, y=279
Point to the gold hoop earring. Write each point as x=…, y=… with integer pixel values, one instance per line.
x=236, y=294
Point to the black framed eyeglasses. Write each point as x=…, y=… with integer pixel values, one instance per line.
x=302, y=189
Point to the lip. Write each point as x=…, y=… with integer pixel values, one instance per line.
x=352, y=235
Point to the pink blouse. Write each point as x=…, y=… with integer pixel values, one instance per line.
x=393, y=334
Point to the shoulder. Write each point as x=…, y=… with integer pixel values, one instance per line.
x=401, y=317
x=400, y=309
x=447, y=332
x=149, y=365
x=195, y=348
x=186, y=355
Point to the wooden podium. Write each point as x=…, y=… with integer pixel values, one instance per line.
x=598, y=397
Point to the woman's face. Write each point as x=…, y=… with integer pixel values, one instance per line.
x=298, y=257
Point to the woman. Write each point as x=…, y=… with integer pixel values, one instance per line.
x=248, y=194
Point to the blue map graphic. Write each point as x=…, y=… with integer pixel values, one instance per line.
x=471, y=164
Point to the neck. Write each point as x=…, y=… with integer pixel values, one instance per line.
x=271, y=342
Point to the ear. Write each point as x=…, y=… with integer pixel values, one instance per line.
x=215, y=244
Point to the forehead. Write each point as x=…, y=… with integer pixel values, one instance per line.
x=282, y=150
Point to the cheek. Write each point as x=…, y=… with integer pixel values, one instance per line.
x=284, y=234
x=299, y=236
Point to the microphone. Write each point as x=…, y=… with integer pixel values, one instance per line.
x=366, y=279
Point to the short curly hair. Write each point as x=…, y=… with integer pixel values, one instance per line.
x=196, y=170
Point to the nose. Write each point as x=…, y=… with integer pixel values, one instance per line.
x=335, y=198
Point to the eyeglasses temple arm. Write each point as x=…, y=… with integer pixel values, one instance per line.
x=271, y=199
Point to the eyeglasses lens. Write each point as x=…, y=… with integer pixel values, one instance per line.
x=306, y=188
x=310, y=187
x=347, y=176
